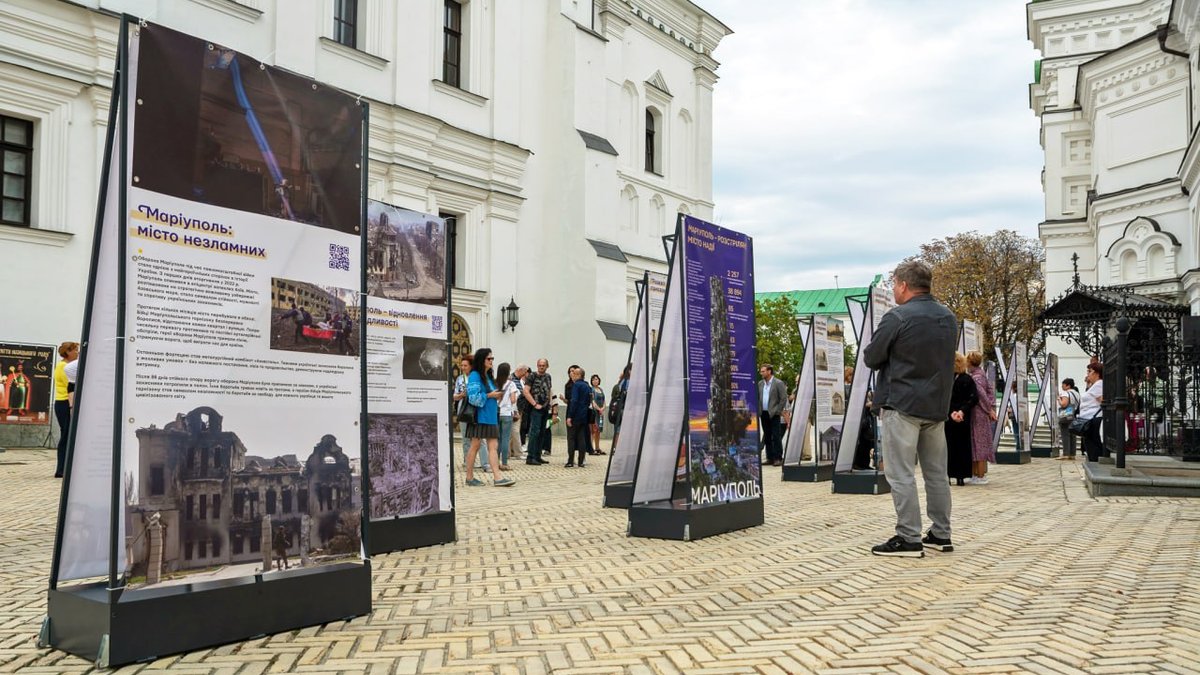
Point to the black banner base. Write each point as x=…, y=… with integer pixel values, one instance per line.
x=618, y=495
x=148, y=623
x=401, y=534
x=1035, y=451
x=668, y=520
x=1014, y=457
x=808, y=473
x=860, y=482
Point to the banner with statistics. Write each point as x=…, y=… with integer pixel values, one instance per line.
x=722, y=399
x=26, y=383
x=408, y=361
x=241, y=388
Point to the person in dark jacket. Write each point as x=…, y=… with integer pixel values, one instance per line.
x=913, y=352
x=958, y=422
x=578, y=432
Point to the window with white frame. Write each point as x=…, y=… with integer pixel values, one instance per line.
x=452, y=44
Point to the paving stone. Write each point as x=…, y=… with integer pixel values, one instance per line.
x=1044, y=579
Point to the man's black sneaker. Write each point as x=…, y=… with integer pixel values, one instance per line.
x=896, y=546
x=937, y=543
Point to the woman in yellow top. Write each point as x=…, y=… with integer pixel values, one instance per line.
x=68, y=351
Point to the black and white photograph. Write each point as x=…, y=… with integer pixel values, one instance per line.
x=406, y=257
x=402, y=452
x=307, y=317
x=238, y=136
x=424, y=358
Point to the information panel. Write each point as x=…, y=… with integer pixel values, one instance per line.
x=408, y=358
x=721, y=367
x=26, y=383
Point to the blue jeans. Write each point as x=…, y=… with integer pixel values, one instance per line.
x=505, y=437
x=537, y=427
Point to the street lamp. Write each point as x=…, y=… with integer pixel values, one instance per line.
x=509, y=316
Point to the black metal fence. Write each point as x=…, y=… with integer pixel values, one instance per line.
x=1151, y=389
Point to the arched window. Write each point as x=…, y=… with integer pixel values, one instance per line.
x=1129, y=266
x=654, y=141
x=629, y=204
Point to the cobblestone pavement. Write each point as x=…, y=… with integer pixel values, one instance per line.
x=1044, y=580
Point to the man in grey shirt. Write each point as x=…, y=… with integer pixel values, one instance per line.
x=913, y=352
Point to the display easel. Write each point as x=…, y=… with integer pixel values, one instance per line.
x=99, y=616
x=1046, y=410
x=1014, y=407
x=622, y=462
x=865, y=314
x=660, y=509
x=801, y=460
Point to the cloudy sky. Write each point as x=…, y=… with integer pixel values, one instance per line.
x=849, y=132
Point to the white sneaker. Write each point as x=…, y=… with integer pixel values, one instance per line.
x=982, y=480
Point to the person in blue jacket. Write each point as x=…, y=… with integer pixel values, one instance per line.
x=578, y=430
x=484, y=396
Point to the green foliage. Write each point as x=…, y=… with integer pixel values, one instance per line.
x=778, y=337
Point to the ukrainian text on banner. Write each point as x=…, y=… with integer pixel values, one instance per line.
x=829, y=355
x=408, y=356
x=645, y=332
x=969, y=339
x=722, y=397
x=242, y=384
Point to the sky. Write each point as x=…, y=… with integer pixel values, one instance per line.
x=846, y=133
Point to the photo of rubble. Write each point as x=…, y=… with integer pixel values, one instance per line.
x=402, y=463
x=406, y=254
x=314, y=319
x=203, y=507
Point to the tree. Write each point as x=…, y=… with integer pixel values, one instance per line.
x=994, y=280
x=778, y=337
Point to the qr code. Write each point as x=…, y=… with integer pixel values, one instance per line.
x=339, y=257
x=436, y=324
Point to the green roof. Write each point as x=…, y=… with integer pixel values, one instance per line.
x=822, y=300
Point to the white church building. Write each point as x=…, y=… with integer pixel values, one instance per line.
x=561, y=137
x=1116, y=92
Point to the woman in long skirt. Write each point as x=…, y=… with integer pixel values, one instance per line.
x=982, y=419
x=963, y=398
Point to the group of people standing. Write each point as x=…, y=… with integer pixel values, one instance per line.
x=969, y=424
x=514, y=408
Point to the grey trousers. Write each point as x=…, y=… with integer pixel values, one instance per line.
x=907, y=440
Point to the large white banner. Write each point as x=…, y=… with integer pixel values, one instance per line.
x=829, y=342
x=664, y=418
x=880, y=302
x=624, y=460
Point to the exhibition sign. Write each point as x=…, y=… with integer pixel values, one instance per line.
x=865, y=315
x=703, y=396
x=220, y=431
x=408, y=360
x=26, y=383
x=1014, y=409
x=799, y=432
x=1046, y=409
x=968, y=339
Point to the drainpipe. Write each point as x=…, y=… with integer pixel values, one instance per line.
x=1163, y=31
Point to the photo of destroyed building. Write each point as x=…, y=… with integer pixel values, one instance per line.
x=402, y=456
x=406, y=254
x=202, y=501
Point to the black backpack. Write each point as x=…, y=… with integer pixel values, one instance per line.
x=617, y=407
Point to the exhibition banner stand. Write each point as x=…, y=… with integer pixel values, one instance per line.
x=820, y=404
x=213, y=487
x=865, y=315
x=703, y=400
x=411, y=495
x=968, y=337
x=1013, y=414
x=622, y=463
x=1046, y=411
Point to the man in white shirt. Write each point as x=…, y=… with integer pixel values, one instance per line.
x=772, y=397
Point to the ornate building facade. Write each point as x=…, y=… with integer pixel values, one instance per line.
x=1115, y=90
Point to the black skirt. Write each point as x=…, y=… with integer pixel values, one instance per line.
x=483, y=431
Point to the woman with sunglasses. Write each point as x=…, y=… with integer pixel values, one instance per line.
x=484, y=395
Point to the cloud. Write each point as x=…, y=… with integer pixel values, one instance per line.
x=849, y=132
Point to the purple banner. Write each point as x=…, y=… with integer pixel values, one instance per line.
x=721, y=366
